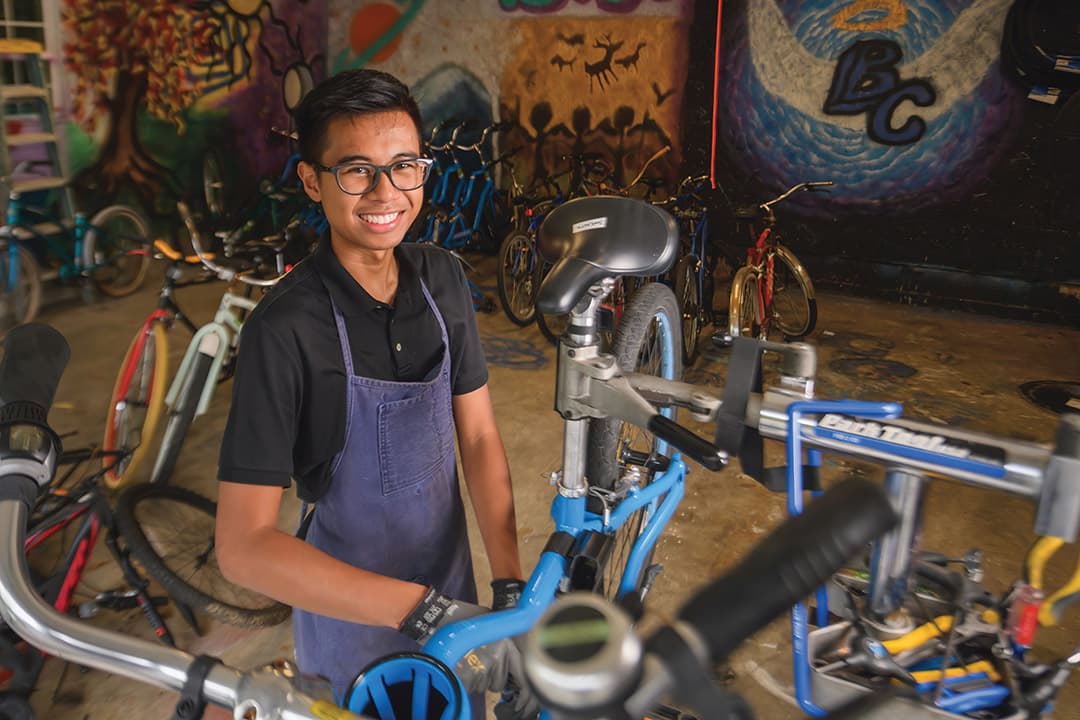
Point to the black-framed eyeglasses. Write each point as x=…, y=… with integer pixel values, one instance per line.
x=359, y=178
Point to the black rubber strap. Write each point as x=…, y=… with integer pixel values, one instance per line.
x=734, y=436
x=192, y=704
x=561, y=543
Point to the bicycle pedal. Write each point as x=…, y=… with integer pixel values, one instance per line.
x=722, y=340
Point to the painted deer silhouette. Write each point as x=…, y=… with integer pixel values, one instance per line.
x=560, y=62
x=601, y=69
x=631, y=60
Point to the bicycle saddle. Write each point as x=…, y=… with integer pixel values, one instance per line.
x=750, y=212
x=592, y=238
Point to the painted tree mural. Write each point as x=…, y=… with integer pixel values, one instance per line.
x=130, y=55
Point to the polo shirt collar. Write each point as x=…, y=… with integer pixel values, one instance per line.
x=349, y=296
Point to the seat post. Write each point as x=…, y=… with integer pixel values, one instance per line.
x=580, y=342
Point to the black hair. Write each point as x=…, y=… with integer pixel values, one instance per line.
x=349, y=93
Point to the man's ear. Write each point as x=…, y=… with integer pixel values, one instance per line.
x=310, y=177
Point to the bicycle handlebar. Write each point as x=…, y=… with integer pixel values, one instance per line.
x=34, y=360
x=794, y=189
x=223, y=273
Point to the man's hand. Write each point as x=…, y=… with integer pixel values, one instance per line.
x=505, y=593
x=486, y=668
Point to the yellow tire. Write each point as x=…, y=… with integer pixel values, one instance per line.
x=137, y=404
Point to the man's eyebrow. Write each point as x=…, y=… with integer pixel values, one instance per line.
x=365, y=159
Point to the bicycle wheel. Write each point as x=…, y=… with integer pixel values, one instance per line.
x=794, y=309
x=170, y=531
x=646, y=341
x=520, y=271
x=743, y=317
x=21, y=300
x=181, y=416
x=688, y=296
x=137, y=401
x=115, y=252
x=213, y=185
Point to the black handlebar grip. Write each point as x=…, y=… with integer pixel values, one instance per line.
x=789, y=564
x=696, y=447
x=35, y=356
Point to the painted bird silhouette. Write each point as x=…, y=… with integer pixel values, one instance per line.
x=576, y=39
x=661, y=96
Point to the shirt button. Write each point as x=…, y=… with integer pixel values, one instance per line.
x=398, y=347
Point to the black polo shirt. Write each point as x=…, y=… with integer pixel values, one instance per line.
x=287, y=419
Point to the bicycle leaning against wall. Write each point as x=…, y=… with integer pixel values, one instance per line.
x=772, y=291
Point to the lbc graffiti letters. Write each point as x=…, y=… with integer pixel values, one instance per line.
x=866, y=81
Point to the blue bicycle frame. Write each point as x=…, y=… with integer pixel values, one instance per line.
x=661, y=497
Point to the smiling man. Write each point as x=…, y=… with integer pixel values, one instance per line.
x=354, y=375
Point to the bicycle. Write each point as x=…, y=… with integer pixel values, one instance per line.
x=108, y=249
x=137, y=402
x=78, y=501
x=693, y=273
x=772, y=288
x=212, y=350
x=808, y=549
x=591, y=385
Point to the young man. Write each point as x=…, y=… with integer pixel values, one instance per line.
x=354, y=374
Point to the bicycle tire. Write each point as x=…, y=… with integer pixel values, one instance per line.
x=212, y=176
x=743, y=318
x=179, y=554
x=792, y=289
x=520, y=271
x=25, y=297
x=113, y=258
x=146, y=373
x=181, y=415
x=688, y=295
x=646, y=340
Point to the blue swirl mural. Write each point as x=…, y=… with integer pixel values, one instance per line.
x=900, y=102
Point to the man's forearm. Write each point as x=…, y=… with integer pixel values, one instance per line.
x=487, y=476
x=296, y=573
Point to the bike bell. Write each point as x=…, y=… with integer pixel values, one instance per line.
x=583, y=656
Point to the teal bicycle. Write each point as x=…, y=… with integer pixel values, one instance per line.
x=109, y=250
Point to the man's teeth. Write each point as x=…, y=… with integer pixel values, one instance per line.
x=380, y=219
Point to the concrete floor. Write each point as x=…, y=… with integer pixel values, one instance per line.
x=946, y=366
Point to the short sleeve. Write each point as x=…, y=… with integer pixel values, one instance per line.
x=261, y=432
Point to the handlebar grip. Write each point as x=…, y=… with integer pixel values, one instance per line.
x=35, y=356
x=695, y=447
x=790, y=563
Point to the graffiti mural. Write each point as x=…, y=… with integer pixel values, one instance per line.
x=578, y=87
x=175, y=79
x=899, y=102
x=375, y=32
x=604, y=6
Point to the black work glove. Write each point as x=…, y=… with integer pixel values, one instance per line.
x=505, y=593
x=486, y=668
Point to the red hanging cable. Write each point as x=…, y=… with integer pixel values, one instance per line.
x=715, y=99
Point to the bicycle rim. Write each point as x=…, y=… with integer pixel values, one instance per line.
x=115, y=250
x=794, y=309
x=687, y=293
x=743, y=320
x=23, y=299
x=170, y=530
x=520, y=268
x=137, y=402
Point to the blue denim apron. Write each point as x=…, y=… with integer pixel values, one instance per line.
x=393, y=508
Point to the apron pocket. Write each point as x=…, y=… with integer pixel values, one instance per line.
x=409, y=448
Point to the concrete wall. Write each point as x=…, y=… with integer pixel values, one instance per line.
x=950, y=183
x=598, y=75
x=157, y=85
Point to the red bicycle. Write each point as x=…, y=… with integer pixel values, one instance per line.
x=773, y=289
